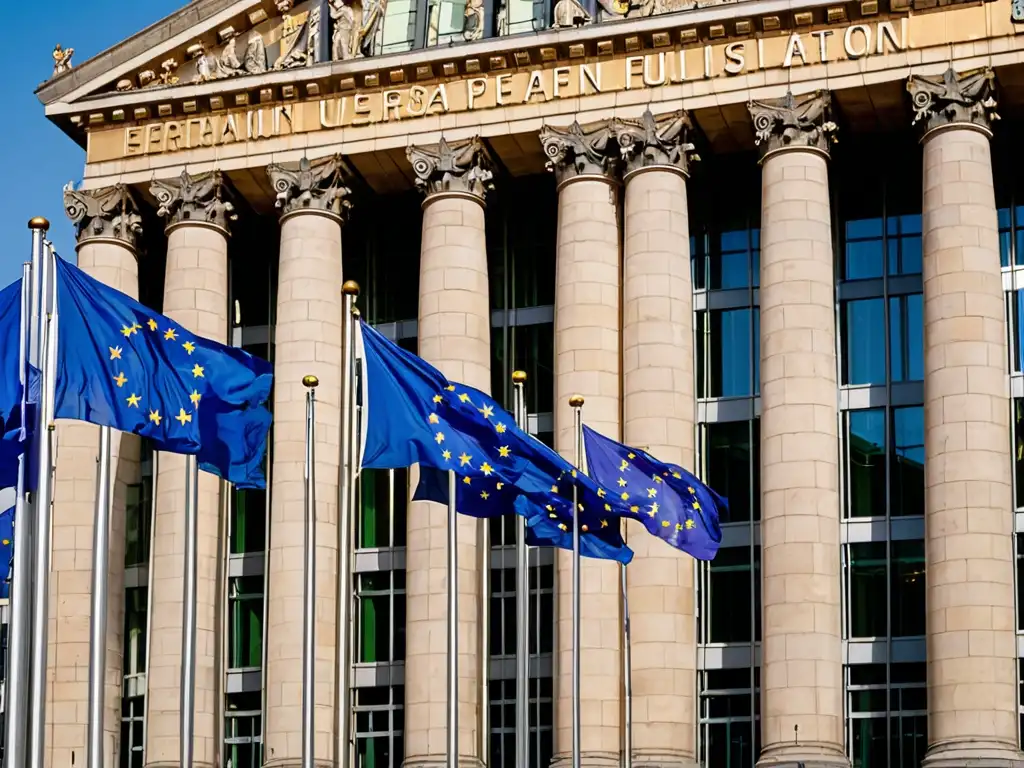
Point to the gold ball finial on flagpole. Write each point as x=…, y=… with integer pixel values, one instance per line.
x=576, y=401
x=38, y=222
x=356, y=312
x=350, y=288
x=310, y=381
x=518, y=377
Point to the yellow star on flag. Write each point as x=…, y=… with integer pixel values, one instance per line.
x=634, y=509
x=439, y=438
x=464, y=459
x=690, y=525
x=504, y=451
x=134, y=400
x=128, y=330
x=486, y=468
x=665, y=523
x=464, y=398
x=170, y=334
x=622, y=482
x=607, y=507
x=197, y=371
x=623, y=465
x=487, y=411
x=601, y=493
x=485, y=495
x=466, y=480
x=651, y=513
x=189, y=347
x=195, y=397
x=500, y=486
x=115, y=353
x=450, y=388
x=155, y=417
x=554, y=489
x=152, y=324
x=604, y=523
x=438, y=398
x=121, y=379
x=657, y=479
x=651, y=493
x=446, y=455
x=563, y=526
x=432, y=418
x=631, y=456
x=183, y=417
x=679, y=526
x=655, y=508
x=499, y=428
x=623, y=495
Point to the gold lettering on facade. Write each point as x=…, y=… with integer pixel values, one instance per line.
x=649, y=71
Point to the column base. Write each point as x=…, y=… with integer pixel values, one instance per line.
x=439, y=761
x=809, y=755
x=587, y=760
x=972, y=753
x=651, y=758
x=177, y=764
x=296, y=762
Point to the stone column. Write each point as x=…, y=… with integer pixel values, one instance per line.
x=455, y=337
x=108, y=227
x=585, y=160
x=198, y=212
x=312, y=199
x=658, y=415
x=972, y=667
x=801, y=668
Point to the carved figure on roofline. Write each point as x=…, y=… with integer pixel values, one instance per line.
x=373, y=20
x=343, y=20
x=62, y=59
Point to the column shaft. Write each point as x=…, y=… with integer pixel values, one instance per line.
x=195, y=295
x=587, y=305
x=801, y=672
x=658, y=415
x=455, y=337
x=307, y=340
x=968, y=505
x=115, y=264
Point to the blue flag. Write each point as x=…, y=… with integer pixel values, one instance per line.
x=121, y=365
x=6, y=551
x=671, y=503
x=17, y=407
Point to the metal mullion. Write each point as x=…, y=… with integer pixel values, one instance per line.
x=754, y=604
x=889, y=446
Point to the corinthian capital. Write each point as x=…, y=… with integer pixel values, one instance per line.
x=313, y=186
x=461, y=167
x=657, y=141
x=953, y=98
x=582, y=150
x=200, y=199
x=803, y=122
x=108, y=213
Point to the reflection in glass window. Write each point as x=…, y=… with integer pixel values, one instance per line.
x=907, y=495
x=245, y=629
x=867, y=577
x=248, y=520
x=1011, y=236
x=727, y=356
x=907, y=589
x=1015, y=329
x=863, y=332
x=398, y=33
x=732, y=469
x=906, y=337
x=868, y=711
x=865, y=463
x=139, y=514
x=903, y=244
x=864, y=251
x=445, y=19
x=382, y=502
x=380, y=726
x=889, y=721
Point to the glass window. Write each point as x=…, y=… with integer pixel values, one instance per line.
x=132, y=732
x=136, y=613
x=445, y=19
x=380, y=723
x=1015, y=329
x=865, y=463
x=533, y=351
x=728, y=720
x=502, y=697
x=903, y=244
x=730, y=605
x=1018, y=450
x=138, y=522
x=245, y=630
x=381, y=616
x=1011, y=236
x=248, y=521
x=906, y=337
x=727, y=353
x=243, y=731
x=863, y=251
x=731, y=469
x=907, y=496
x=907, y=591
x=867, y=590
x=868, y=581
x=383, y=502
x=863, y=330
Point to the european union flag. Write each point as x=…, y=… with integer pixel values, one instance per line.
x=121, y=365
x=6, y=551
x=15, y=413
x=671, y=503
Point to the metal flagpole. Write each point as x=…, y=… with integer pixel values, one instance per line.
x=346, y=497
x=522, y=602
x=627, y=672
x=188, y=598
x=47, y=336
x=21, y=572
x=98, y=619
x=576, y=403
x=453, y=628
x=309, y=574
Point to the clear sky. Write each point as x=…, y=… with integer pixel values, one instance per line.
x=36, y=158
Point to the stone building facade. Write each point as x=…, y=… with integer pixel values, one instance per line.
x=779, y=241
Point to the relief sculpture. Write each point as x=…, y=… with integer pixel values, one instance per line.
x=343, y=19
x=372, y=21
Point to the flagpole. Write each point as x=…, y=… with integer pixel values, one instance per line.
x=309, y=574
x=47, y=346
x=346, y=495
x=98, y=619
x=453, y=627
x=188, y=598
x=21, y=572
x=627, y=671
x=522, y=601
x=576, y=403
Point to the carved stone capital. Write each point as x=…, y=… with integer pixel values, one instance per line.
x=110, y=213
x=582, y=150
x=966, y=98
x=461, y=167
x=315, y=186
x=793, y=122
x=203, y=199
x=657, y=141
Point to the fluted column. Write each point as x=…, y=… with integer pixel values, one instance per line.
x=108, y=227
x=312, y=199
x=587, y=286
x=972, y=667
x=658, y=415
x=801, y=667
x=198, y=213
x=455, y=337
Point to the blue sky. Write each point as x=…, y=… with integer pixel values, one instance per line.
x=36, y=158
